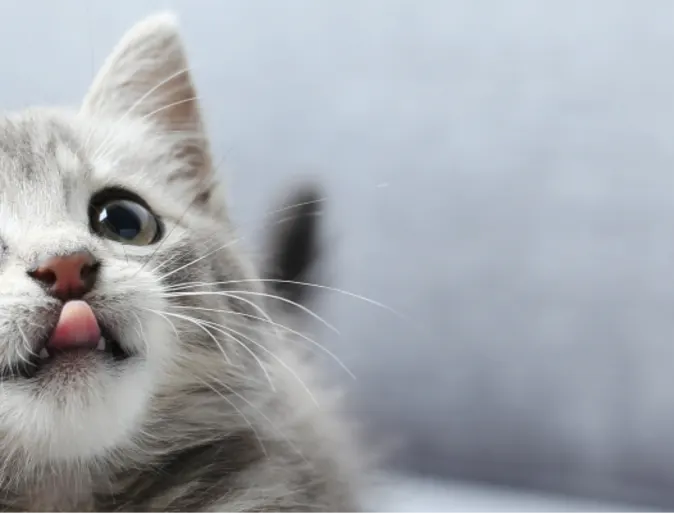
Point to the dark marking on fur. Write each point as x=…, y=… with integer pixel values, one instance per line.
x=16, y=143
x=187, y=480
x=204, y=197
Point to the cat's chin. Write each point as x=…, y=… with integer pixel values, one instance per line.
x=75, y=342
x=79, y=406
x=85, y=404
x=66, y=368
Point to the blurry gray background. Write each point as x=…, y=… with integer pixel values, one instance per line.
x=502, y=173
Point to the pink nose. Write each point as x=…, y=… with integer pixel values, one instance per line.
x=67, y=276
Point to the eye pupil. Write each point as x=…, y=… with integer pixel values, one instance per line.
x=121, y=220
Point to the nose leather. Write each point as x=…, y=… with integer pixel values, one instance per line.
x=67, y=277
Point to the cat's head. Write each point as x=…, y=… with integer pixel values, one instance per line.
x=112, y=239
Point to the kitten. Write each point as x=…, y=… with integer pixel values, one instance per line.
x=141, y=369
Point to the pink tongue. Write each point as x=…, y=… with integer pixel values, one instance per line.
x=77, y=327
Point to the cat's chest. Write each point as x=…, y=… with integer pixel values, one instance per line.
x=52, y=494
x=60, y=501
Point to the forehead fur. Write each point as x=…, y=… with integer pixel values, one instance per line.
x=50, y=161
x=139, y=127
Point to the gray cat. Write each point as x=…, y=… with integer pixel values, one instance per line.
x=143, y=366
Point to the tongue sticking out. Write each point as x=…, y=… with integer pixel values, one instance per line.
x=76, y=328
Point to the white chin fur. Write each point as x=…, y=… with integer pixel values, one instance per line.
x=85, y=418
x=82, y=422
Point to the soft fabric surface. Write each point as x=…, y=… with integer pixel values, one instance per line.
x=404, y=493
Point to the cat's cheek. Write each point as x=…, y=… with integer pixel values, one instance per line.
x=101, y=408
x=161, y=341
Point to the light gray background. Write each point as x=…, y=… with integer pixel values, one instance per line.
x=500, y=172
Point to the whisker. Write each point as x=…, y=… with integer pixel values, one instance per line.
x=166, y=237
x=231, y=404
x=168, y=106
x=279, y=325
x=137, y=103
x=198, y=324
x=172, y=257
x=262, y=414
x=294, y=206
x=171, y=324
x=232, y=333
x=198, y=259
x=219, y=327
x=203, y=324
x=26, y=345
x=141, y=333
x=176, y=224
x=294, y=282
x=232, y=294
x=235, y=240
x=257, y=308
x=228, y=331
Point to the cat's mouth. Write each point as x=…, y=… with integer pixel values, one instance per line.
x=106, y=348
x=76, y=341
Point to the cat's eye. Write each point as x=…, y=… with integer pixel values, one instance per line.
x=124, y=220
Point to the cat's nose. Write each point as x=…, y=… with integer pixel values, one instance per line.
x=67, y=277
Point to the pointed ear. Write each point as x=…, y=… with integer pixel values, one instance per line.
x=147, y=76
x=293, y=248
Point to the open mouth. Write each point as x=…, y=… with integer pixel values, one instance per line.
x=105, y=344
x=76, y=337
x=106, y=347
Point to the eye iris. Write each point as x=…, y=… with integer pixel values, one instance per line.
x=122, y=220
x=118, y=215
x=125, y=221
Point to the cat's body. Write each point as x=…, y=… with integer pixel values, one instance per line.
x=197, y=397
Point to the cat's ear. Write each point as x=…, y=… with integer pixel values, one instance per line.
x=147, y=76
x=293, y=249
